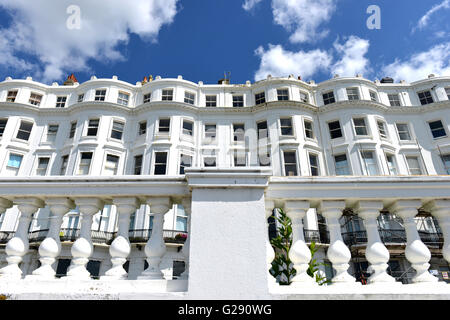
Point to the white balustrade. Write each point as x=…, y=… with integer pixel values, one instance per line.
x=82, y=248
x=270, y=253
x=299, y=254
x=18, y=246
x=337, y=252
x=120, y=248
x=376, y=252
x=441, y=210
x=186, y=203
x=50, y=248
x=416, y=251
x=156, y=247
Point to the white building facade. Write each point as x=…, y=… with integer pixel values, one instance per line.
x=105, y=180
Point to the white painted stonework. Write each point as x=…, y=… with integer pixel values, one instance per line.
x=98, y=194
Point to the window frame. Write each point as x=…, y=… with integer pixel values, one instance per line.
x=398, y=132
x=155, y=164
x=364, y=163
x=37, y=169
x=316, y=167
x=440, y=129
x=426, y=98
x=330, y=130
x=351, y=96
x=189, y=97
x=3, y=127
x=420, y=165
x=167, y=94
x=35, y=98
x=346, y=160
x=329, y=96
x=100, y=97
x=90, y=127
x=61, y=101
x=284, y=94
x=260, y=98
x=211, y=103
x=356, y=127
x=297, y=169
x=20, y=130
x=121, y=100
x=12, y=98
x=290, y=127
x=80, y=159
x=116, y=130
x=147, y=97
x=393, y=102
x=238, y=104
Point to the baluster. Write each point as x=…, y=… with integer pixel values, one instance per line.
x=18, y=246
x=441, y=210
x=156, y=247
x=299, y=254
x=416, y=251
x=270, y=253
x=50, y=248
x=376, y=253
x=120, y=248
x=82, y=248
x=185, y=251
x=337, y=253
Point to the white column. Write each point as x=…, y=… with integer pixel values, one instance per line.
x=82, y=248
x=337, y=253
x=156, y=247
x=18, y=246
x=416, y=251
x=299, y=254
x=376, y=252
x=120, y=248
x=270, y=253
x=185, y=251
x=441, y=210
x=50, y=248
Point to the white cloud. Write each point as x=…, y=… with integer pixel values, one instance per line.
x=420, y=65
x=353, y=60
x=303, y=17
x=39, y=30
x=280, y=63
x=423, y=22
x=250, y=4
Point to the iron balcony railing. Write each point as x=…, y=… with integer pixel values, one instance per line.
x=392, y=236
x=317, y=236
x=71, y=234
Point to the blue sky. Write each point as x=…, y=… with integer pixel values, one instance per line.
x=201, y=39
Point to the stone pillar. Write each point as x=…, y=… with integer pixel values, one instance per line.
x=18, y=246
x=299, y=254
x=50, y=248
x=156, y=247
x=416, y=251
x=120, y=248
x=376, y=252
x=441, y=210
x=270, y=253
x=228, y=246
x=337, y=253
x=186, y=203
x=82, y=248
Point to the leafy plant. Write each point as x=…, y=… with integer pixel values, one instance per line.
x=282, y=267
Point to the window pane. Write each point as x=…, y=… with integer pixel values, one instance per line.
x=24, y=130
x=15, y=160
x=341, y=165
x=335, y=129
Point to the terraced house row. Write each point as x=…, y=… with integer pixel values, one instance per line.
x=166, y=180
